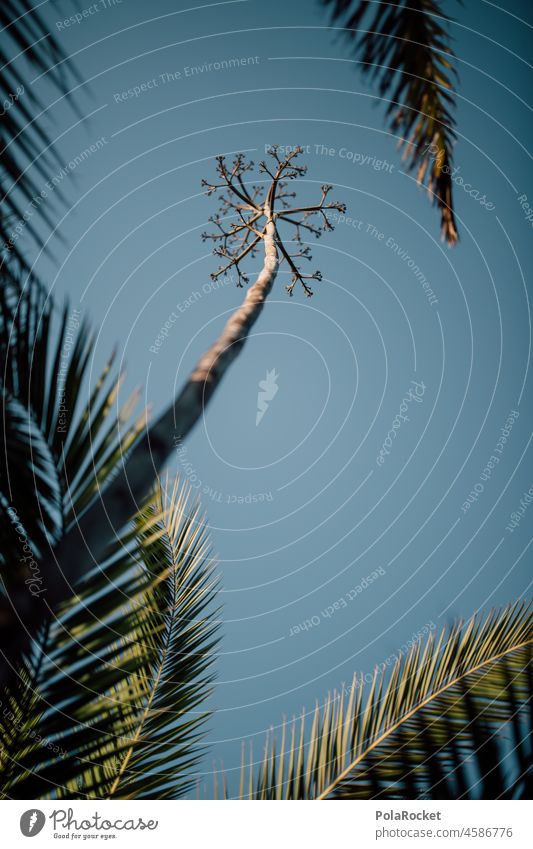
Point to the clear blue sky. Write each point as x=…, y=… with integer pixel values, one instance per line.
x=326, y=513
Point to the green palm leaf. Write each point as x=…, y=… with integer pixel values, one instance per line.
x=59, y=447
x=108, y=703
x=407, y=48
x=452, y=720
x=27, y=45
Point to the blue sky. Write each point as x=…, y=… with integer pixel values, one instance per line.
x=302, y=511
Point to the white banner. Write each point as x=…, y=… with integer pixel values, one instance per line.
x=415, y=825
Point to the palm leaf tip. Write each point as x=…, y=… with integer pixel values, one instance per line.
x=405, y=44
x=450, y=720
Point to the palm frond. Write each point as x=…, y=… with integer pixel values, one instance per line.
x=108, y=704
x=451, y=720
x=405, y=45
x=28, y=45
x=59, y=449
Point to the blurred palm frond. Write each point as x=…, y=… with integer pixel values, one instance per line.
x=405, y=46
x=108, y=703
x=59, y=449
x=27, y=152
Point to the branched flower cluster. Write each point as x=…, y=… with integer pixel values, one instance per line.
x=245, y=210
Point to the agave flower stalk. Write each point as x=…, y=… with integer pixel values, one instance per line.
x=259, y=216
